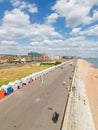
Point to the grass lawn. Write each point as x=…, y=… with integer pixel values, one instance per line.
x=12, y=73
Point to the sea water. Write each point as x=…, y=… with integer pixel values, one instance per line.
x=93, y=61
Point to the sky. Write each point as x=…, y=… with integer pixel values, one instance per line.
x=62, y=27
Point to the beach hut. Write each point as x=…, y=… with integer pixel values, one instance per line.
x=27, y=78
x=41, y=74
x=45, y=72
x=38, y=75
x=7, y=89
x=30, y=79
x=24, y=81
x=34, y=76
x=2, y=93
x=13, y=85
x=4, y=87
x=18, y=84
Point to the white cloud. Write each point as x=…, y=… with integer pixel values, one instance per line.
x=92, y=19
x=76, y=39
x=16, y=25
x=48, y=43
x=5, y=42
x=91, y=31
x=75, y=12
x=95, y=15
x=75, y=31
x=78, y=46
x=52, y=18
x=22, y=5
x=42, y=31
x=16, y=18
x=32, y=8
x=74, y=43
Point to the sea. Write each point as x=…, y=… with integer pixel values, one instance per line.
x=93, y=61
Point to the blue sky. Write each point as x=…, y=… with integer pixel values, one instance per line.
x=62, y=27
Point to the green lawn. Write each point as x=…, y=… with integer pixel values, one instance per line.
x=12, y=73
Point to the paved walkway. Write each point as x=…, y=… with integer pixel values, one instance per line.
x=32, y=107
x=78, y=115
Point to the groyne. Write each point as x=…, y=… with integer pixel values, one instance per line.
x=78, y=115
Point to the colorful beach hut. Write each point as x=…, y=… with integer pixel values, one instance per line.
x=30, y=80
x=18, y=83
x=7, y=89
x=2, y=93
x=24, y=81
x=13, y=85
x=34, y=76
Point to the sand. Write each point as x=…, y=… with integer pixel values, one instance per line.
x=89, y=75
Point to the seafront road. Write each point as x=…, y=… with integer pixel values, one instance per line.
x=32, y=107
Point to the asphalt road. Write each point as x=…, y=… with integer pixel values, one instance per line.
x=32, y=107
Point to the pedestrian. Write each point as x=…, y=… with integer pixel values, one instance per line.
x=64, y=83
x=41, y=77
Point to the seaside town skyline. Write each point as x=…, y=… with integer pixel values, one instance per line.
x=32, y=57
x=61, y=27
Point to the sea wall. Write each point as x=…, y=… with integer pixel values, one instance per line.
x=78, y=115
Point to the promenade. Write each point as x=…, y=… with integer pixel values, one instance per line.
x=32, y=107
x=78, y=114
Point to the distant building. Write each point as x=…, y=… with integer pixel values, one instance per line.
x=23, y=60
x=44, y=57
x=53, y=57
x=3, y=59
x=26, y=59
x=36, y=56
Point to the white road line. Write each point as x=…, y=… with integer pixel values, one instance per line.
x=37, y=100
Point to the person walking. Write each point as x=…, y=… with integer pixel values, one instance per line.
x=41, y=77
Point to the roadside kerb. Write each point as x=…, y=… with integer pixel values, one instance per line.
x=78, y=115
x=67, y=105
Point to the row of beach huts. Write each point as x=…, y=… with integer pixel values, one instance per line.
x=6, y=90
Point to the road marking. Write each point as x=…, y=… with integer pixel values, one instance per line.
x=36, y=100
